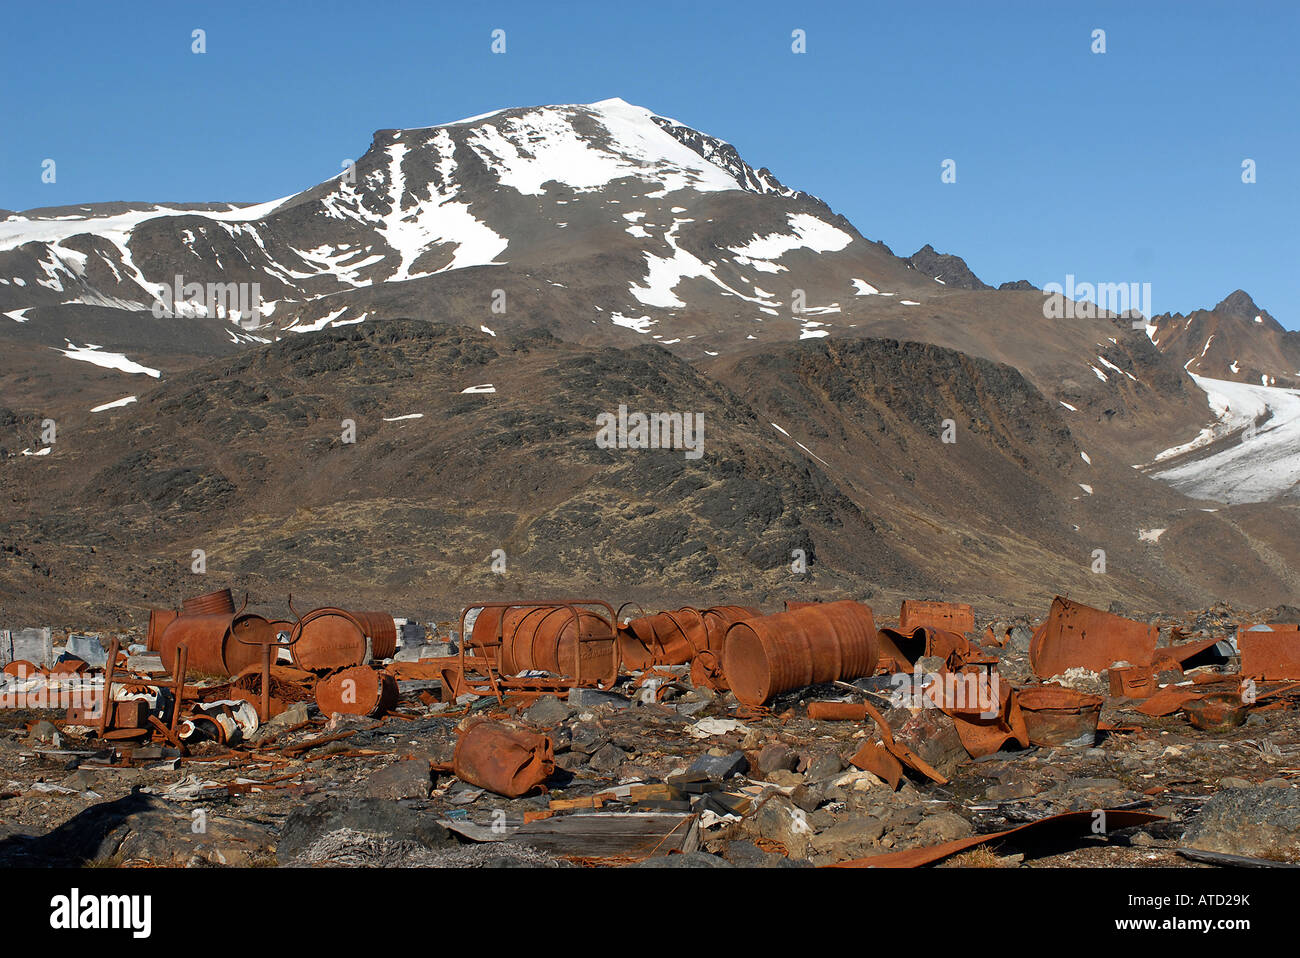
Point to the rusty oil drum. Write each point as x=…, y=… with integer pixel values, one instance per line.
x=561, y=638
x=359, y=690
x=776, y=653
x=706, y=666
x=330, y=638
x=222, y=645
x=665, y=638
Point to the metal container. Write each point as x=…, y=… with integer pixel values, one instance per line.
x=1218, y=712
x=508, y=761
x=952, y=616
x=776, y=653
x=221, y=645
x=1133, y=681
x=1057, y=716
x=326, y=639
x=359, y=690
x=159, y=619
x=561, y=638
x=665, y=638
x=220, y=602
x=382, y=632
x=706, y=667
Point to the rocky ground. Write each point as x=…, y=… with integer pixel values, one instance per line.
x=710, y=782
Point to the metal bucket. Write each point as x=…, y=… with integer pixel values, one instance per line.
x=1057, y=716
x=776, y=653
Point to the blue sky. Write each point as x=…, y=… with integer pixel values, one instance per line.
x=1115, y=167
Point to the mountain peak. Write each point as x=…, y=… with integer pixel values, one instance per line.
x=1239, y=303
x=946, y=268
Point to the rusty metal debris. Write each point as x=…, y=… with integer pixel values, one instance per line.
x=1081, y=824
x=775, y=653
x=1078, y=636
x=1217, y=712
x=1057, y=716
x=1269, y=651
x=950, y=616
x=505, y=760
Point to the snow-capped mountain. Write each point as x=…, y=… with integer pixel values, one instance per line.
x=512, y=192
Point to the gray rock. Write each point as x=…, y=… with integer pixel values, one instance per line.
x=719, y=767
x=547, y=711
x=1259, y=822
x=779, y=820
x=590, y=698
x=406, y=779
x=371, y=816
x=607, y=758
x=694, y=859
x=851, y=839
x=42, y=731
x=933, y=736
x=587, y=738
x=1019, y=639
x=775, y=756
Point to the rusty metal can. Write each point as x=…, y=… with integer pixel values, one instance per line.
x=220, y=602
x=505, y=760
x=1057, y=716
x=359, y=690
x=776, y=653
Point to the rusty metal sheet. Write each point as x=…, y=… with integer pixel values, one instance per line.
x=776, y=653
x=952, y=616
x=886, y=758
x=1078, y=636
x=900, y=650
x=508, y=761
x=1269, y=651
x=984, y=725
x=1067, y=823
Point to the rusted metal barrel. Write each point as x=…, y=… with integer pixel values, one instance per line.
x=665, y=638
x=360, y=690
x=557, y=637
x=508, y=761
x=220, y=602
x=221, y=645
x=382, y=631
x=776, y=653
x=159, y=619
x=706, y=666
x=327, y=639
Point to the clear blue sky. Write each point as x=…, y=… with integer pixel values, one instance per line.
x=1116, y=167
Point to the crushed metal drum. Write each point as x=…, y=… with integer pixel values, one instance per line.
x=508, y=761
x=771, y=654
x=1217, y=712
x=1057, y=716
x=1078, y=636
